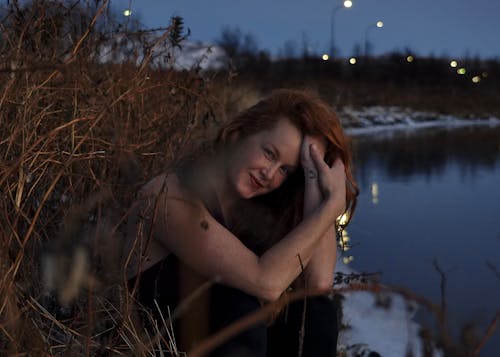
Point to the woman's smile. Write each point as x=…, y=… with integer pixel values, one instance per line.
x=261, y=162
x=255, y=183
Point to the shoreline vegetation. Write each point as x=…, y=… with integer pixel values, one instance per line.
x=79, y=136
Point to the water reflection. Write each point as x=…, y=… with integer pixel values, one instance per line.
x=374, y=192
x=427, y=152
x=344, y=238
x=432, y=196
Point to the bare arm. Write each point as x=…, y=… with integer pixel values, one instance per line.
x=200, y=241
x=319, y=273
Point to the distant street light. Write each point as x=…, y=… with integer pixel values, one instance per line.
x=127, y=12
x=378, y=24
x=346, y=4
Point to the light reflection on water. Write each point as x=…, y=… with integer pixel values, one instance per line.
x=428, y=196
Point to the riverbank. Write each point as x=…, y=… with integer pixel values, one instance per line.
x=377, y=324
x=377, y=119
x=422, y=192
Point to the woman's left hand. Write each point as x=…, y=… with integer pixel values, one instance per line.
x=306, y=160
x=330, y=181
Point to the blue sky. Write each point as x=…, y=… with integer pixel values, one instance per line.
x=453, y=28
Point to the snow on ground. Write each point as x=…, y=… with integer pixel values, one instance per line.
x=186, y=56
x=369, y=120
x=373, y=329
x=389, y=331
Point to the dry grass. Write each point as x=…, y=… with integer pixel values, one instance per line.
x=77, y=138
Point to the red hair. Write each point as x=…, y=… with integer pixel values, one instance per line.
x=312, y=116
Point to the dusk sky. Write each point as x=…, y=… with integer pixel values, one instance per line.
x=453, y=28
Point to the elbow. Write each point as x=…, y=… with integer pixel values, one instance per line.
x=322, y=286
x=271, y=295
x=269, y=290
x=324, y=283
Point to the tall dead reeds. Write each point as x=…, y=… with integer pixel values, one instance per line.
x=89, y=108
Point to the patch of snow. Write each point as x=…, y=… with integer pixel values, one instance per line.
x=186, y=56
x=377, y=323
x=204, y=56
x=369, y=120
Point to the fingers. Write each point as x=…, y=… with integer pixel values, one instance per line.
x=332, y=180
x=337, y=171
x=305, y=155
x=321, y=170
x=315, y=165
x=318, y=141
x=316, y=156
x=338, y=164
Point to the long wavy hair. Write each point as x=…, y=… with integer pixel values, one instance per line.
x=269, y=217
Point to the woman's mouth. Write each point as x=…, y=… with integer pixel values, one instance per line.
x=255, y=183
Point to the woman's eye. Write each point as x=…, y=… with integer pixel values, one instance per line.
x=284, y=171
x=269, y=154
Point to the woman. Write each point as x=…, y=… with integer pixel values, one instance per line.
x=254, y=212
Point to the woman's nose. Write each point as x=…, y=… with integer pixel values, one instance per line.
x=268, y=172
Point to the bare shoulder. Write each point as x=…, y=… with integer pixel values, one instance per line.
x=179, y=205
x=164, y=183
x=149, y=221
x=170, y=207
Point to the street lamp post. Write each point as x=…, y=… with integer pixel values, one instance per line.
x=346, y=4
x=378, y=24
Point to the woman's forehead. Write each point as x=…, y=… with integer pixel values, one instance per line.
x=285, y=131
x=287, y=139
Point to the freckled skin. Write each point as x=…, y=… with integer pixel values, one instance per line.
x=204, y=225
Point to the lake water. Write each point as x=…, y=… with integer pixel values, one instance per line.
x=433, y=195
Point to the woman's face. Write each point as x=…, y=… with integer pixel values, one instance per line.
x=261, y=162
